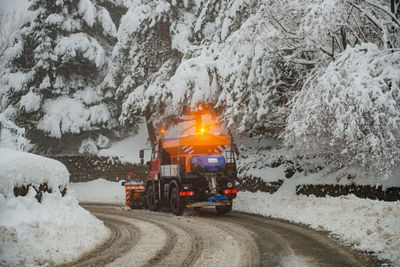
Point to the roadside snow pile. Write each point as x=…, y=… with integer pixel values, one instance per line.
x=99, y=191
x=368, y=225
x=45, y=233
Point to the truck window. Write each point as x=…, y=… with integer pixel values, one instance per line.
x=155, y=152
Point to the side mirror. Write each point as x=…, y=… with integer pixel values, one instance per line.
x=141, y=153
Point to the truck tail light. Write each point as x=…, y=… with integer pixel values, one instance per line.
x=230, y=191
x=186, y=194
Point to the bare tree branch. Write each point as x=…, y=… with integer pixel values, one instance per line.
x=387, y=12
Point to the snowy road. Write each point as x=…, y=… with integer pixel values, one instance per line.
x=144, y=238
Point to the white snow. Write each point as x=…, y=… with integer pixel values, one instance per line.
x=46, y=233
x=94, y=14
x=11, y=136
x=99, y=191
x=88, y=95
x=63, y=115
x=350, y=113
x=128, y=149
x=55, y=231
x=66, y=114
x=76, y=43
x=368, y=225
x=19, y=168
x=259, y=157
x=88, y=11
x=103, y=141
x=30, y=101
x=88, y=146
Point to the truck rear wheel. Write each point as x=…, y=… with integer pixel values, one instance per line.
x=175, y=202
x=223, y=209
x=151, y=202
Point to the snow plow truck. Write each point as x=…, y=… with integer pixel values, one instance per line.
x=189, y=171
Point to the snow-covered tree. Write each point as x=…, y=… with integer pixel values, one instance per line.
x=348, y=110
x=247, y=58
x=209, y=53
x=349, y=113
x=9, y=24
x=88, y=147
x=55, y=80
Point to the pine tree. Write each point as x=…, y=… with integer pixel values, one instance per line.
x=56, y=77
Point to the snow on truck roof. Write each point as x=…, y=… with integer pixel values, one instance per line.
x=21, y=168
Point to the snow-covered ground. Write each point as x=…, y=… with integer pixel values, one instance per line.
x=128, y=149
x=99, y=191
x=368, y=225
x=49, y=232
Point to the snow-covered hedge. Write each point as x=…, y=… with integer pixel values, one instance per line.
x=21, y=169
x=349, y=113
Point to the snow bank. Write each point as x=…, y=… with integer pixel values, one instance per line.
x=368, y=225
x=99, y=191
x=49, y=232
x=20, y=168
x=45, y=233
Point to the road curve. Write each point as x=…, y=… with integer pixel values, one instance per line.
x=145, y=238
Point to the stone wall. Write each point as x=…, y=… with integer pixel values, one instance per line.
x=361, y=191
x=84, y=168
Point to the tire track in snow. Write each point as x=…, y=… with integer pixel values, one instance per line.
x=154, y=242
x=215, y=243
x=285, y=244
x=187, y=241
x=209, y=239
x=123, y=236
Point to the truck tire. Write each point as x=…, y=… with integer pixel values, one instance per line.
x=175, y=202
x=223, y=209
x=151, y=202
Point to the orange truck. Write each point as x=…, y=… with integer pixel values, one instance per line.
x=190, y=171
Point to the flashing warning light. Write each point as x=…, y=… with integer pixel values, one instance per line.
x=130, y=173
x=186, y=194
x=162, y=131
x=230, y=191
